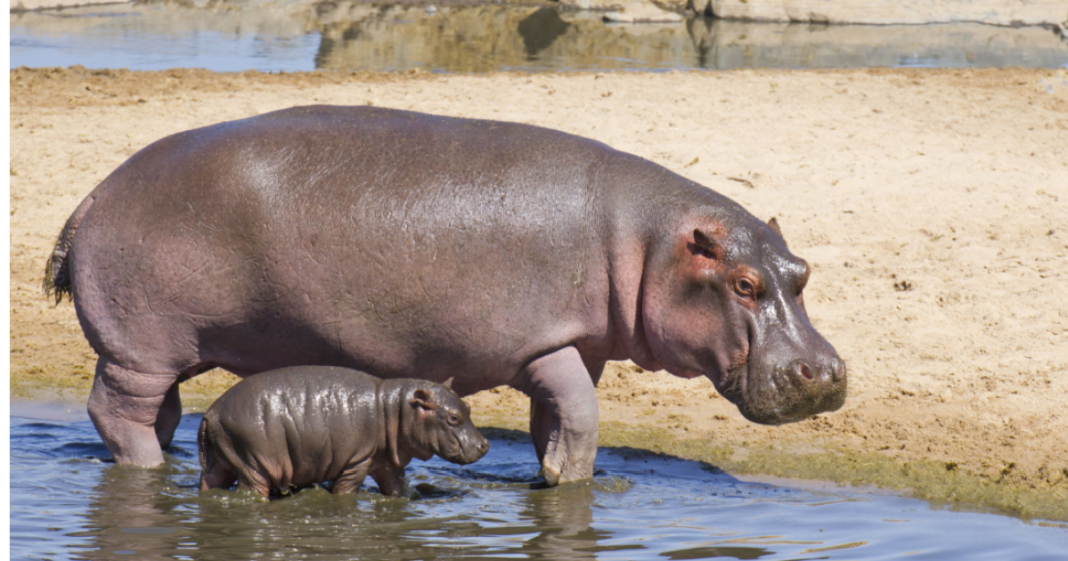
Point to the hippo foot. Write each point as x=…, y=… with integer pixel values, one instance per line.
x=565, y=456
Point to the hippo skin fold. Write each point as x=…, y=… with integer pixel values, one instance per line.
x=305, y=425
x=409, y=245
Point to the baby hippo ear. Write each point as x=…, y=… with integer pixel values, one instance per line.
x=421, y=398
x=448, y=383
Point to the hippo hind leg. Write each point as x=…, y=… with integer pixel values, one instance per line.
x=217, y=477
x=350, y=479
x=124, y=405
x=168, y=417
x=251, y=480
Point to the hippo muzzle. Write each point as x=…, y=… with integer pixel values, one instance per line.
x=792, y=372
x=469, y=447
x=789, y=392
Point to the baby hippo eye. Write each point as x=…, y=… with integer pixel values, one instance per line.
x=453, y=419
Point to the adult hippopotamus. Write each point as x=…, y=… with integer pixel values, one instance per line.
x=411, y=245
x=305, y=425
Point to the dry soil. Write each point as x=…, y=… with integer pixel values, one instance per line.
x=931, y=204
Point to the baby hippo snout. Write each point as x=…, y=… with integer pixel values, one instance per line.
x=472, y=444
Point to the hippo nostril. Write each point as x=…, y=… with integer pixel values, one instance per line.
x=805, y=371
x=838, y=370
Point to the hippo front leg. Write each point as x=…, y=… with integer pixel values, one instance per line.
x=390, y=479
x=563, y=414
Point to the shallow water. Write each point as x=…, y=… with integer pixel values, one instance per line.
x=282, y=35
x=69, y=502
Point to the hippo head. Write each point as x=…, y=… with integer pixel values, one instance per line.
x=723, y=299
x=439, y=422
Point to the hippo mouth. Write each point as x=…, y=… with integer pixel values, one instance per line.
x=463, y=452
x=785, y=394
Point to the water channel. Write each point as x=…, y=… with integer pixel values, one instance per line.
x=69, y=501
x=345, y=35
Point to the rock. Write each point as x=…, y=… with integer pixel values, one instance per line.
x=41, y=5
x=593, y=5
x=642, y=12
x=997, y=12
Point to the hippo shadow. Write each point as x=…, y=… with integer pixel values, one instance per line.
x=524, y=473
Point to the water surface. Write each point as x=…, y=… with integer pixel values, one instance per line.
x=68, y=501
x=344, y=35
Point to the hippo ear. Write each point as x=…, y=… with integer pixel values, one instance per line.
x=704, y=242
x=448, y=383
x=421, y=398
x=774, y=225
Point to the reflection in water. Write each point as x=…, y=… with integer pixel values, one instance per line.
x=563, y=519
x=721, y=552
x=540, y=29
x=355, y=35
x=132, y=515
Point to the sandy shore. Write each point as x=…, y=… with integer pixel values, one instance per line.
x=931, y=203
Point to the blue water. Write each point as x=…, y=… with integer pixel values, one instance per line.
x=291, y=36
x=68, y=501
x=213, y=50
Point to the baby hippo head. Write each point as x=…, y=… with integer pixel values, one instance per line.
x=439, y=422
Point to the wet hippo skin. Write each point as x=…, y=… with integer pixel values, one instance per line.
x=300, y=426
x=412, y=245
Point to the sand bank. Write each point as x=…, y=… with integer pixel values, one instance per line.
x=930, y=203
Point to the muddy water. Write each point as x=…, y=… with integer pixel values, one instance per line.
x=69, y=502
x=343, y=35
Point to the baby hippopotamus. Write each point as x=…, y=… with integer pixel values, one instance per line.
x=300, y=426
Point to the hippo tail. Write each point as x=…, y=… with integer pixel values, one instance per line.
x=57, y=279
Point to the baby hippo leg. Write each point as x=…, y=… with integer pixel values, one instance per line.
x=390, y=479
x=217, y=477
x=350, y=479
x=250, y=480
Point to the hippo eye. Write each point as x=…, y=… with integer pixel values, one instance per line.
x=746, y=288
x=454, y=419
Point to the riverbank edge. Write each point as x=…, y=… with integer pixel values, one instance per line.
x=943, y=484
x=817, y=12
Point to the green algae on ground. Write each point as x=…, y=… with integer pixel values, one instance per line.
x=938, y=482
